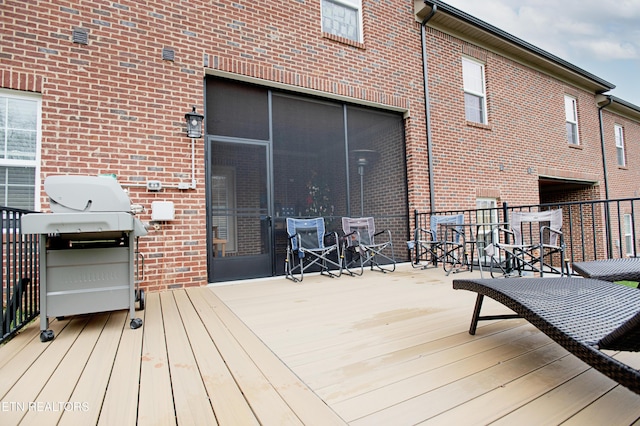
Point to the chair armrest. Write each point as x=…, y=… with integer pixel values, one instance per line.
x=555, y=231
x=426, y=232
x=352, y=241
x=558, y=233
x=381, y=232
x=333, y=234
x=506, y=230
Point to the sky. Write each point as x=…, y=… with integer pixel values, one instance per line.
x=602, y=37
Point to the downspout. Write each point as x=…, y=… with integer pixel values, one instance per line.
x=427, y=108
x=602, y=146
x=606, y=179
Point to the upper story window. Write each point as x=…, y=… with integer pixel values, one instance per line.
x=571, y=114
x=343, y=18
x=475, y=104
x=19, y=149
x=619, y=131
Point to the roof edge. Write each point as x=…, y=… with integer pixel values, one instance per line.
x=619, y=106
x=497, y=32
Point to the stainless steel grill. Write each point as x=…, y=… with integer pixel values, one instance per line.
x=89, y=260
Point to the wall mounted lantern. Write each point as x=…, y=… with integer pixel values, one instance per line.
x=194, y=124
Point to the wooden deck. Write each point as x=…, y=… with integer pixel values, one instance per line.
x=380, y=349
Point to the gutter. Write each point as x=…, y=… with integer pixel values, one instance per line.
x=503, y=35
x=427, y=107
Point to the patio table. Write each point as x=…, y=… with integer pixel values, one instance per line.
x=625, y=269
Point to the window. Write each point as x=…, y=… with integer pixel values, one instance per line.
x=620, y=144
x=474, y=92
x=487, y=213
x=19, y=149
x=343, y=18
x=628, y=236
x=223, y=201
x=571, y=114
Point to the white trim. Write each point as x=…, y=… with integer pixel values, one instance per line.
x=483, y=93
x=36, y=162
x=619, y=136
x=352, y=4
x=574, y=117
x=628, y=235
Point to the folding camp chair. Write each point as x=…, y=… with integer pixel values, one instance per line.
x=363, y=246
x=444, y=242
x=533, y=244
x=308, y=245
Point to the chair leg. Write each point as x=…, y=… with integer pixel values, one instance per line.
x=476, y=314
x=353, y=262
x=326, y=262
x=372, y=256
x=290, y=267
x=455, y=258
x=475, y=318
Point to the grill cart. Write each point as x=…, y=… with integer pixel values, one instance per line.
x=88, y=249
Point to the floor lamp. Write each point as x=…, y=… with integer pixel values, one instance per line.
x=363, y=158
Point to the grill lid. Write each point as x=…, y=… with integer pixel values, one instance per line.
x=74, y=194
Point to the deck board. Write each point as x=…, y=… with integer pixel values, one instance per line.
x=265, y=402
x=31, y=383
x=19, y=361
x=155, y=404
x=91, y=387
x=307, y=406
x=230, y=406
x=190, y=397
x=120, y=405
x=60, y=386
x=377, y=349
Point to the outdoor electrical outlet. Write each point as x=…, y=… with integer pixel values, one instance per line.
x=154, y=185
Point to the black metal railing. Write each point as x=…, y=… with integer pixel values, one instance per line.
x=592, y=230
x=19, y=253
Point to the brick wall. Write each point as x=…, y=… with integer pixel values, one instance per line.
x=115, y=106
x=525, y=131
x=624, y=181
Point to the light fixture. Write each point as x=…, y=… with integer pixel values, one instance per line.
x=194, y=123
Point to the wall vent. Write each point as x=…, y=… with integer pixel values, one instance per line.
x=168, y=54
x=80, y=36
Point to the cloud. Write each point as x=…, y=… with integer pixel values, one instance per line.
x=570, y=29
x=605, y=50
x=599, y=36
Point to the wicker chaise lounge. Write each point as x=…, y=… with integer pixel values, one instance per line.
x=585, y=316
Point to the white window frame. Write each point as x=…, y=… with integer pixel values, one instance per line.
x=571, y=117
x=619, y=132
x=349, y=4
x=482, y=94
x=628, y=235
x=35, y=163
